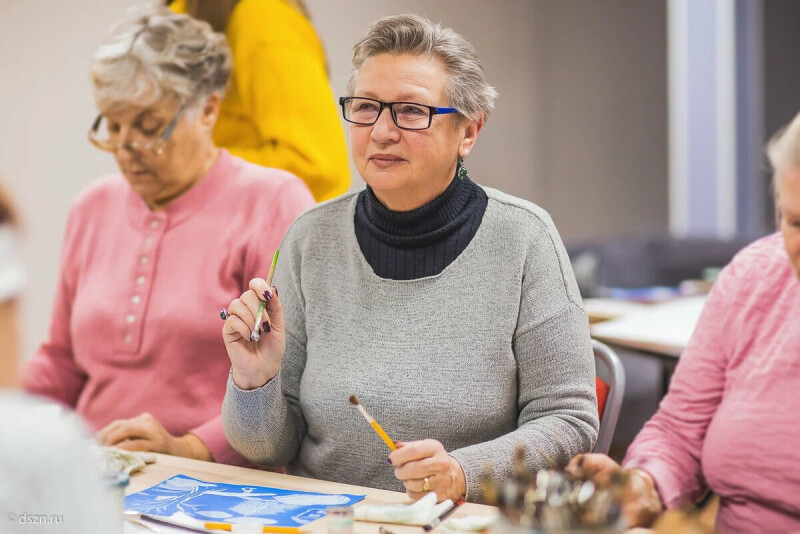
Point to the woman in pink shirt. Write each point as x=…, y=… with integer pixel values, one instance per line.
x=729, y=422
x=149, y=254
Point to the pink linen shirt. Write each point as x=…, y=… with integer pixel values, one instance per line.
x=135, y=325
x=729, y=421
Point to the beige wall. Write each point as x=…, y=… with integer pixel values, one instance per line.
x=580, y=125
x=600, y=86
x=46, y=109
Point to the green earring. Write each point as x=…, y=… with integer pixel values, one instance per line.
x=462, y=171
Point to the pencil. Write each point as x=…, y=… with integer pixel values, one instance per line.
x=378, y=429
x=262, y=305
x=266, y=528
x=438, y=521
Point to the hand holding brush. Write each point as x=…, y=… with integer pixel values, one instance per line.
x=254, y=333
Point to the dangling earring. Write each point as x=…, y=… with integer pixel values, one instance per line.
x=462, y=171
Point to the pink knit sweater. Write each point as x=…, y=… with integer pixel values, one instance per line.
x=730, y=421
x=135, y=325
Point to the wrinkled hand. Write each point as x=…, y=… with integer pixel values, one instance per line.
x=641, y=503
x=146, y=433
x=599, y=468
x=255, y=363
x=416, y=460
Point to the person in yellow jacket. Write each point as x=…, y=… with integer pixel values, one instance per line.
x=279, y=110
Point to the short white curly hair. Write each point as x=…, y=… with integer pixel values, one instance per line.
x=155, y=54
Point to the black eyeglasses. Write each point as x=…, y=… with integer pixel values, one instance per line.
x=406, y=115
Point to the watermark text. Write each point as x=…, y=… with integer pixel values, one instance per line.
x=26, y=518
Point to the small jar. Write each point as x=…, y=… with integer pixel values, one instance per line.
x=116, y=484
x=339, y=519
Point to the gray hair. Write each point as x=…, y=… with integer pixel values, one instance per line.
x=783, y=151
x=156, y=54
x=466, y=87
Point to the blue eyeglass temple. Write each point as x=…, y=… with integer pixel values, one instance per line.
x=173, y=123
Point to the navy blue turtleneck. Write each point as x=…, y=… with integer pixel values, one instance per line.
x=406, y=245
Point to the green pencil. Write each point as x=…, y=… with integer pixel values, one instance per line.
x=262, y=305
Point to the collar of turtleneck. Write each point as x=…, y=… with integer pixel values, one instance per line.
x=406, y=245
x=422, y=226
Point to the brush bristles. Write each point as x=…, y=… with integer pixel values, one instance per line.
x=354, y=402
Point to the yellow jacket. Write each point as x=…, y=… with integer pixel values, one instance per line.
x=279, y=110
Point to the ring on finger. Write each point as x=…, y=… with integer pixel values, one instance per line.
x=426, y=484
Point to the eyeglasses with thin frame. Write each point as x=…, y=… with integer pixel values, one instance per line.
x=108, y=144
x=406, y=115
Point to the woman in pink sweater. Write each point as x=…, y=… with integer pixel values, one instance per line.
x=729, y=422
x=150, y=254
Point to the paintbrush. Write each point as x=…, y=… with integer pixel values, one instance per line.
x=131, y=516
x=447, y=513
x=267, y=528
x=380, y=431
x=262, y=304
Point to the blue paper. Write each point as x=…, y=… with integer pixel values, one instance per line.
x=182, y=497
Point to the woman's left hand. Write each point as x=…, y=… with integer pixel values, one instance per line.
x=424, y=466
x=146, y=433
x=641, y=502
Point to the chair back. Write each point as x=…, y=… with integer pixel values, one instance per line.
x=610, y=383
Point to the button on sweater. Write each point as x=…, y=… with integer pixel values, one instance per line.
x=135, y=325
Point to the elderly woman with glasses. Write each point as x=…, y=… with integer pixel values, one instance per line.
x=447, y=308
x=150, y=253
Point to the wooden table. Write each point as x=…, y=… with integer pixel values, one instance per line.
x=167, y=466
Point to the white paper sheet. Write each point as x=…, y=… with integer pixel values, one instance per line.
x=665, y=328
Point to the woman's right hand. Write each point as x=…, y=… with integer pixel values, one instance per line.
x=641, y=503
x=255, y=362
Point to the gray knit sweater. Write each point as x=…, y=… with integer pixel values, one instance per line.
x=492, y=353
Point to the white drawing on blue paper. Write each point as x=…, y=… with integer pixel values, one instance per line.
x=182, y=498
